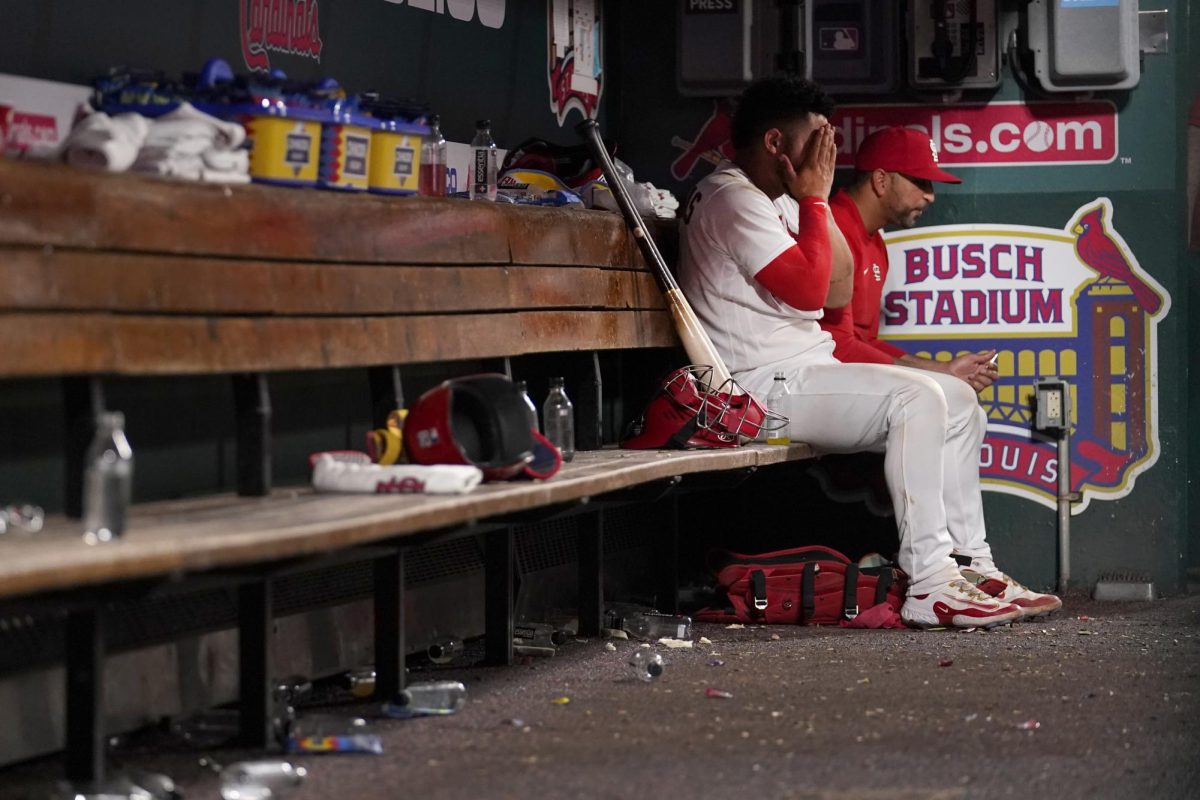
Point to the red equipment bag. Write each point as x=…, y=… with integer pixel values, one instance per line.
x=811, y=585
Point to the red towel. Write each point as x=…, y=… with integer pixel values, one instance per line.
x=880, y=616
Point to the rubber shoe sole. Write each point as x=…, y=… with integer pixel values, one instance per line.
x=1040, y=609
x=965, y=621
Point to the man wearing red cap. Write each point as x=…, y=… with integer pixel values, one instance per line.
x=758, y=277
x=896, y=169
x=893, y=185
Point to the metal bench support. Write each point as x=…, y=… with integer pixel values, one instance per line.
x=254, y=663
x=591, y=573
x=252, y=400
x=666, y=556
x=389, y=625
x=498, y=597
x=85, y=696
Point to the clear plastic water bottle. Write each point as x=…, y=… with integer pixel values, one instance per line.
x=483, y=163
x=528, y=401
x=777, y=403
x=258, y=780
x=558, y=415
x=445, y=650
x=542, y=634
x=360, y=682
x=646, y=664
x=436, y=697
x=652, y=625
x=207, y=729
x=433, y=161
x=107, y=480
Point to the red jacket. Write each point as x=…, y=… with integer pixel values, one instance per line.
x=855, y=327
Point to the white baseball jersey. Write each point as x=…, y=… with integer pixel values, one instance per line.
x=731, y=231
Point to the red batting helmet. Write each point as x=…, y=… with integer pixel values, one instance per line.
x=687, y=412
x=482, y=421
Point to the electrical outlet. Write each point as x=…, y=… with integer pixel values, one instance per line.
x=1053, y=404
x=1053, y=401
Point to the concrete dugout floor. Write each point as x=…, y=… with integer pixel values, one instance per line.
x=815, y=713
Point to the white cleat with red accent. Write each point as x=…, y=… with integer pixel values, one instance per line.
x=995, y=583
x=957, y=604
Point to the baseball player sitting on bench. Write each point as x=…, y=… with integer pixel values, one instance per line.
x=759, y=290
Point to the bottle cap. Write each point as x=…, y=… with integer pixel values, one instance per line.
x=483, y=123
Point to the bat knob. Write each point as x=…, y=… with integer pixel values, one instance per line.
x=586, y=127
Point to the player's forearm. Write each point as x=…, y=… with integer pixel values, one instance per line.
x=917, y=362
x=841, y=274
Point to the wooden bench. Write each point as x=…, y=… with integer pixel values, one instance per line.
x=124, y=276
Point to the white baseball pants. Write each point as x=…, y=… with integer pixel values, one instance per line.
x=930, y=427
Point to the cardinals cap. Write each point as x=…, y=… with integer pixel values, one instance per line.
x=905, y=150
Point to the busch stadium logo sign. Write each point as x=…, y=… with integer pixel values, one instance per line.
x=1071, y=303
x=285, y=26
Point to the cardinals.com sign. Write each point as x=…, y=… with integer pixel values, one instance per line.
x=1071, y=303
x=992, y=135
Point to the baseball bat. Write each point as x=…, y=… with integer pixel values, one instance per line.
x=695, y=340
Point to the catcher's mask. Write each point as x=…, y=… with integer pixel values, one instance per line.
x=686, y=412
x=482, y=421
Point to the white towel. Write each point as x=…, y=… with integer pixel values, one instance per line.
x=187, y=143
x=186, y=120
x=99, y=141
x=336, y=474
x=226, y=160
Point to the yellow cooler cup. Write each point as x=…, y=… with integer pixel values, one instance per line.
x=283, y=149
x=346, y=153
x=396, y=157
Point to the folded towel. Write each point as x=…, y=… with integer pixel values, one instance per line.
x=336, y=474
x=226, y=160
x=99, y=141
x=187, y=121
x=152, y=162
x=221, y=176
x=879, y=616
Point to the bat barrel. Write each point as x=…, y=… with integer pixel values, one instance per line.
x=590, y=131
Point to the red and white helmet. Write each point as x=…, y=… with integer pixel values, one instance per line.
x=687, y=412
x=479, y=420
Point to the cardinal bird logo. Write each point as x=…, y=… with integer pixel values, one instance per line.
x=1098, y=249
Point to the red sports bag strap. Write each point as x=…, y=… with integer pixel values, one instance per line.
x=850, y=592
x=758, y=592
x=806, y=591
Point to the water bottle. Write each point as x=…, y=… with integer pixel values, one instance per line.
x=318, y=725
x=646, y=664
x=528, y=401
x=541, y=634
x=207, y=729
x=107, y=480
x=433, y=161
x=436, y=697
x=558, y=415
x=360, y=682
x=258, y=780
x=445, y=650
x=777, y=404
x=651, y=625
x=483, y=163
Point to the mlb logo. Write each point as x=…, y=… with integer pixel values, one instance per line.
x=840, y=39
